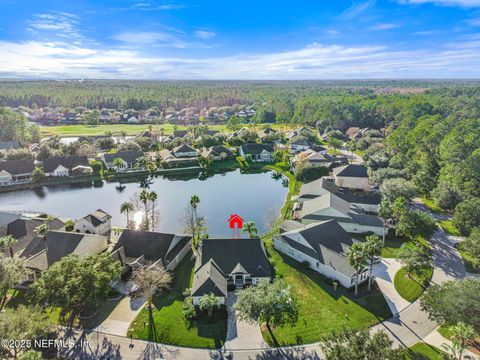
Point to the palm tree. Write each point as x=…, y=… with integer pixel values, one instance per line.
x=152, y=196
x=149, y=281
x=118, y=163
x=250, y=228
x=372, y=248
x=127, y=207
x=356, y=257
x=194, y=201
x=461, y=335
x=42, y=229
x=6, y=242
x=208, y=302
x=144, y=199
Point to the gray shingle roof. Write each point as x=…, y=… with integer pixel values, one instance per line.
x=130, y=156
x=256, y=149
x=17, y=167
x=228, y=253
x=323, y=202
x=8, y=145
x=325, y=241
x=184, y=148
x=351, y=170
x=97, y=217
x=7, y=218
x=209, y=279
x=69, y=162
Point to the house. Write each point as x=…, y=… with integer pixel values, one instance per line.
x=237, y=133
x=7, y=218
x=323, y=246
x=257, y=152
x=58, y=244
x=133, y=120
x=313, y=158
x=147, y=249
x=24, y=230
x=301, y=130
x=184, y=150
x=299, y=145
x=352, y=176
x=9, y=145
x=265, y=132
x=129, y=160
x=180, y=134
x=226, y=264
x=97, y=222
x=367, y=201
x=217, y=153
x=235, y=221
x=66, y=166
x=350, y=217
x=16, y=171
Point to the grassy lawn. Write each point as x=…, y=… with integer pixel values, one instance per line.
x=410, y=288
x=448, y=227
x=423, y=351
x=130, y=129
x=170, y=325
x=472, y=265
x=392, y=246
x=430, y=204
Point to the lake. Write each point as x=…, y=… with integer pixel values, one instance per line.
x=255, y=197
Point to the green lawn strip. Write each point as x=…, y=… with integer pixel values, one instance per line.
x=445, y=331
x=322, y=310
x=472, y=265
x=448, y=227
x=132, y=129
x=430, y=204
x=410, y=288
x=423, y=351
x=170, y=325
x=393, y=245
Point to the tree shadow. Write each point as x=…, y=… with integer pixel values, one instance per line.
x=295, y=353
x=99, y=348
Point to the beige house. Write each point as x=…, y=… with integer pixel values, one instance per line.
x=352, y=176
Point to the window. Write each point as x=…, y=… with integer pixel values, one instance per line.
x=318, y=265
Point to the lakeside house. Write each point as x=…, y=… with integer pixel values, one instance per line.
x=58, y=244
x=66, y=166
x=128, y=158
x=265, y=132
x=181, y=156
x=9, y=145
x=185, y=151
x=237, y=133
x=226, y=264
x=180, y=134
x=16, y=171
x=315, y=159
x=330, y=206
x=352, y=176
x=299, y=145
x=322, y=245
x=299, y=131
x=137, y=249
x=24, y=231
x=257, y=152
x=217, y=153
x=97, y=222
x=367, y=201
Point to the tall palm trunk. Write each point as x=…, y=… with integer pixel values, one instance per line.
x=370, y=275
x=153, y=215
x=146, y=216
x=356, y=284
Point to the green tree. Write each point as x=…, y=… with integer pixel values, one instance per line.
x=152, y=196
x=42, y=229
x=144, y=198
x=38, y=175
x=414, y=258
x=118, y=163
x=467, y=216
x=97, y=166
x=24, y=323
x=446, y=195
x=453, y=301
x=271, y=303
x=335, y=143
x=360, y=345
x=234, y=122
x=73, y=283
x=126, y=208
x=208, y=303
x=12, y=272
x=91, y=117
x=358, y=260
x=471, y=246
x=373, y=248
x=250, y=229
x=6, y=241
x=462, y=334
x=396, y=187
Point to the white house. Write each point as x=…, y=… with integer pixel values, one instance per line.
x=299, y=145
x=97, y=222
x=257, y=152
x=350, y=217
x=63, y=166
x=129, y=160
x=322, y=245
x=184, y=150
x=352, y=176
x=133, y=120
x=16, y=171
x=228, y=264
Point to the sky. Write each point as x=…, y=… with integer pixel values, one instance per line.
x=230, y=39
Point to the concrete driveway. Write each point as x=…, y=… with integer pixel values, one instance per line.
x=119, y=320
x=240, y=334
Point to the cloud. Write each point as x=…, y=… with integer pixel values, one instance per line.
x=35, y=59
x=203, y=34
x=460, y=3
x=384, y=26
x=474, y=22
x=57, y=23
x=149, y=6
x=142, y=38
x=356, y=9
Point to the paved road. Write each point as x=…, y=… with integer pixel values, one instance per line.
x=410, y=326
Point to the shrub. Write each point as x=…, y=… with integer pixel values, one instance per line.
x=307, y=174
x=467, y=216
x=188, y=310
